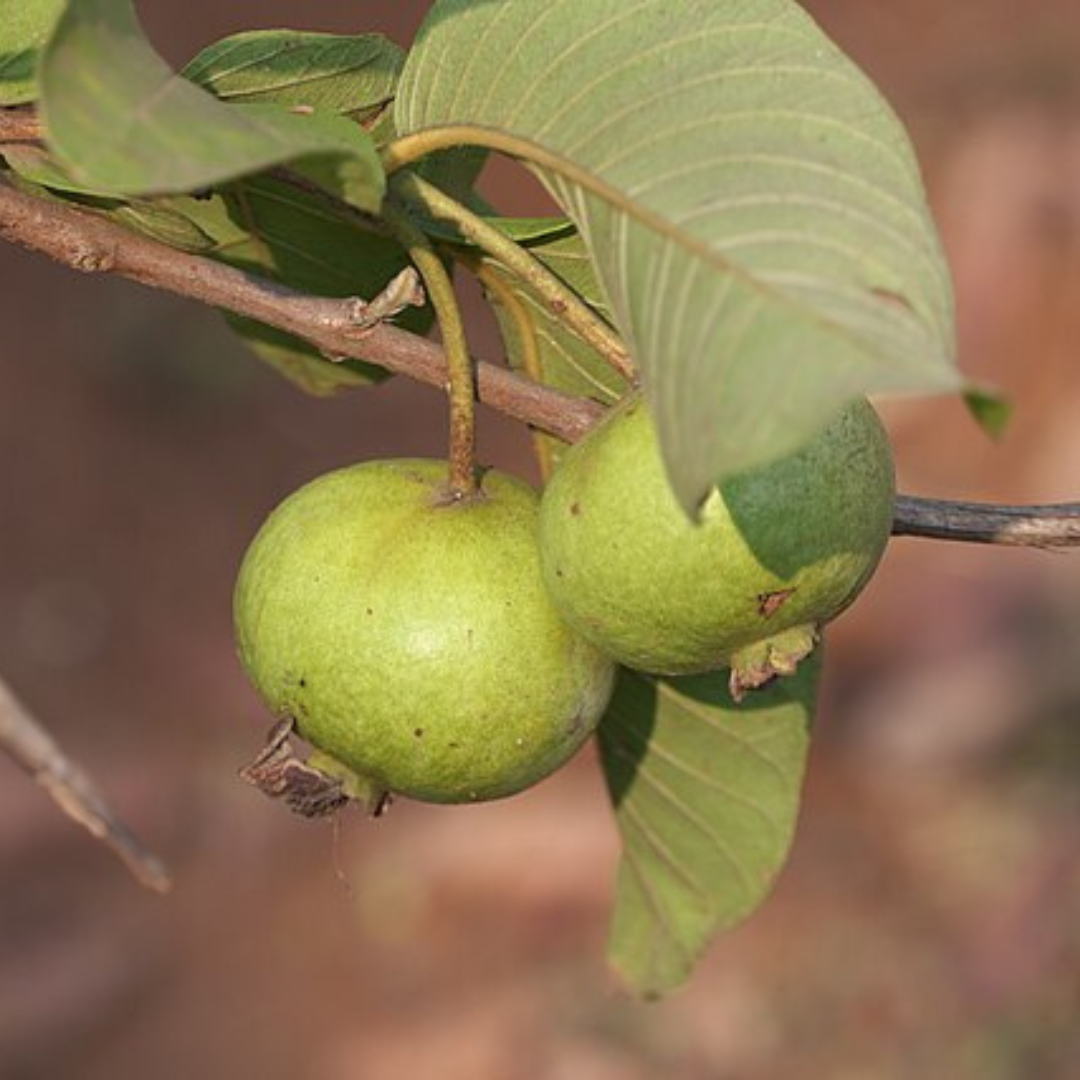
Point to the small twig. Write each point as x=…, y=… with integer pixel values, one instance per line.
x=89, y=242
x=35, y=750
x=1056, y=525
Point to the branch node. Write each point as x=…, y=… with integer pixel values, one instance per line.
x=90, y=259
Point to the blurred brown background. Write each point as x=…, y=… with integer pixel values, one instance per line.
x=929, y=922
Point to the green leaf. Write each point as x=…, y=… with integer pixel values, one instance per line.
x=24, y=29
x=301, y=240
x=271, y=228
x=566, y=362
x=751, y=205
x=991, y=411
x=117, y=118
x=522, y=230
x=706, y=795
x=353, y=76
x=302, y=364
x=33, y=164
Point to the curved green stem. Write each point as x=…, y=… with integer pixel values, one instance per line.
x=408, y=149
x=552, y=290
x=461, y=381
x=531, y=362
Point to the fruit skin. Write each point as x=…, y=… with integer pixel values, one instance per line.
x=410, y=636
x=778, y=552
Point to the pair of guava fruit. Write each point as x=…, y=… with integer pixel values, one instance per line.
x=454, y=650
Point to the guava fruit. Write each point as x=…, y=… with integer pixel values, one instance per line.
x=776, y=553
x=409, y=635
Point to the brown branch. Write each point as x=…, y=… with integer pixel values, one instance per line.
x=87, y=242
x=1050, y=526
x=35, y=750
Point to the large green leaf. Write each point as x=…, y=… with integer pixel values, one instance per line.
x=116, y=117
x=706, y=795
x=751, y=205
x=354, y=76
x=25, y=26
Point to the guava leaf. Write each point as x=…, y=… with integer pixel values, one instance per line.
x=302, y=364
x=566, y=362
x=537, y=342
x=299, y=239
x=36, y=166
x=278, y=231
x=751, y=205
x=270, y=228
x=991, y=411
x=351, y=75
x=522, y=230
x=706, y=796
x=117, y=118
x=24, y=29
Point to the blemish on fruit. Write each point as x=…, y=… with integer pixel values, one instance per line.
x=419, y=732
x=370, y=611
x=770, y=603
x=575, y=509
x=303, y=683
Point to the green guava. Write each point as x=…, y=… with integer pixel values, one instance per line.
x=777, y=552
x=409, y=635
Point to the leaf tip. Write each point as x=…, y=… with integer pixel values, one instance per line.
x=991, y=410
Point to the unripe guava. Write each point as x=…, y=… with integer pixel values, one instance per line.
x=410, y=637
x=778, y=551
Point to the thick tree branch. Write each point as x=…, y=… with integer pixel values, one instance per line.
x=36, y=751
x=87, y=242
x=1050, y=526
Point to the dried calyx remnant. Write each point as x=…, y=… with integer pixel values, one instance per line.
x=305, y=788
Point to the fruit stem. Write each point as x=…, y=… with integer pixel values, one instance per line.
x=559, y=298
x=502, y=295
x=461, y=381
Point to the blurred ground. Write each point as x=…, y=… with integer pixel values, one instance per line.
x=929, y=923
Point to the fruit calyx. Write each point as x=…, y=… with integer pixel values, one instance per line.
x=316, y=787
x=756, y=665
